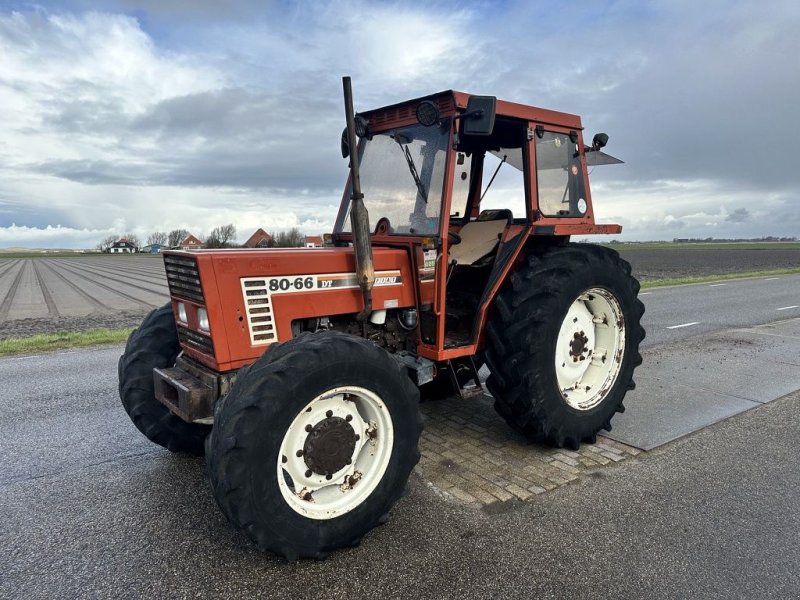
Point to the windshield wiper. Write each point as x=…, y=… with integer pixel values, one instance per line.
x=401, y=139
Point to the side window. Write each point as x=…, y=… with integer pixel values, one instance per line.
x=461, y=181
x=507, y=190
x=559, y=176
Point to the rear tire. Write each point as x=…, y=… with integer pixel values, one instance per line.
x=314, y=444
x=155, y=345
x=563, y=343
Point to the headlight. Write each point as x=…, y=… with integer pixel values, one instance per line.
x=182, y=312
x=202, y=319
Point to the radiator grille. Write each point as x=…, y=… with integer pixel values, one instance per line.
x=195, y=340
x=258, y=303
x=183, y=277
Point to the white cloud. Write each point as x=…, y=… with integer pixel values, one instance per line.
x=197, y=116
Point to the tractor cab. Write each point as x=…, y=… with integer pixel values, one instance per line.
x=465, y=183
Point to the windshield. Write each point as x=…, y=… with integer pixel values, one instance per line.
x=402, y=177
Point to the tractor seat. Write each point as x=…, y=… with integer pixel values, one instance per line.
x=480, y=238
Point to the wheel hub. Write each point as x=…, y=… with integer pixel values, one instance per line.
x=577, y=347
x=329, y=446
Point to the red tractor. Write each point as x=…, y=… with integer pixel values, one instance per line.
x=298, y=372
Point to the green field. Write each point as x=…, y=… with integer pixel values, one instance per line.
x=62, y=340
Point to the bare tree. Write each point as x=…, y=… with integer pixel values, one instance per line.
x=290, y=239
x=176, y=236
x=221, y=237
x=157, y=237
x=107, y=242
x=132, y=239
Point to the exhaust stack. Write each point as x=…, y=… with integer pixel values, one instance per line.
x=359, y=217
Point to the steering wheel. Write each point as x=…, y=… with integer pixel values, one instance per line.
x=456, y=239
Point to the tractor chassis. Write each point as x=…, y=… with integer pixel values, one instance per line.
x=190, y=390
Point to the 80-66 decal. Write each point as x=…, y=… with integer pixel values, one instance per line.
x=284, y=284
x=303, y=283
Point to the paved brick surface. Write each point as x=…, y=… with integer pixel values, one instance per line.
x=471, y=456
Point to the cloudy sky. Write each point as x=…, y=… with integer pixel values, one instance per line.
x=159, y=114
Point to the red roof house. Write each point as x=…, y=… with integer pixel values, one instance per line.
x=190, y=242
x=260, y=239
x=313, y=241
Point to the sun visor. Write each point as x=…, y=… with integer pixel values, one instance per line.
x=596, y=158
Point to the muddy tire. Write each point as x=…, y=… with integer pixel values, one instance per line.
x=314, y=444
x=155, y=345
x=563, y=343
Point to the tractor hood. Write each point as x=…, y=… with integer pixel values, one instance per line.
x=230, y=305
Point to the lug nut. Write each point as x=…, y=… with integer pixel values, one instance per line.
x=328, y=476
x=284, y=459
x=348, y=418
x=299, y=453
x=358, y=437
x=329, y=414
x=308, y=473
x=309, y=428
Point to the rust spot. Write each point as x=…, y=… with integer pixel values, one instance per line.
x=351, y=481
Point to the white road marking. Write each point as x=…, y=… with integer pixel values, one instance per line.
x=717, y=284
x=684, y=325
x=788, y=307
x=771, y=278
x=644, y=293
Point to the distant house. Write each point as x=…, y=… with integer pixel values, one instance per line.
x=190, y=242
x=123, y=246
x=153, y=248
x=260, y=239
x=313, y=241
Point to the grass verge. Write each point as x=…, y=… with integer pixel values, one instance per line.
x=61, y=340
x=706, y=278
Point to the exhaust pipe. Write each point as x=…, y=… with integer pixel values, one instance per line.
x=359, y=217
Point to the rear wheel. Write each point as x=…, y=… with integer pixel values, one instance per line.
x=564, y=342
x=155, y=345
x=314, y=444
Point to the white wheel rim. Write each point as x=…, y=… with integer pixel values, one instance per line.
x=319, y=496
x=589, y=349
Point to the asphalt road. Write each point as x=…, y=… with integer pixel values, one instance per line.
x=675, y=313
x=91, y=509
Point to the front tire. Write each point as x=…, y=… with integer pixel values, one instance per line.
x=563, y=343
x=154, y=345
x=314, y=444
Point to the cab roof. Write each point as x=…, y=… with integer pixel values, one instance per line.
x=450, y=101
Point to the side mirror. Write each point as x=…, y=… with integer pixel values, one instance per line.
x=362, y=130
x=345, y=144
x=479, y=116
x=599, y=141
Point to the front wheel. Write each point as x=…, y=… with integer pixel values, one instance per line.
x=563, y=343
x=155, y=345
x=314, y=444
